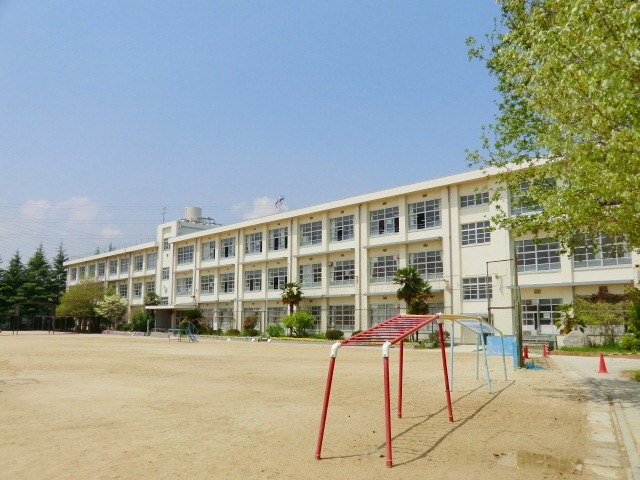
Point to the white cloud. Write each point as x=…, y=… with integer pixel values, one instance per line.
x=260, y=207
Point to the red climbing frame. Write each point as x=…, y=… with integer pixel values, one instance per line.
x=387, y=333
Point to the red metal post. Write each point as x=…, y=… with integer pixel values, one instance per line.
x=325, y=406
x=387, y=409
x=400, y=371
x=444, y=369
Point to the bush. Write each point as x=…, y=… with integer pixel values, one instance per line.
x=298, y=322
x=630, y=342
x=434, y=338
x=335, y=334
x=250, y=332
x=356, y=332
x=275, y=331
x=232, y=332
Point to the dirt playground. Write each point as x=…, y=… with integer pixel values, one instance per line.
x=123, y=407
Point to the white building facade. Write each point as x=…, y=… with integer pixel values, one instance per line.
x=344, y=254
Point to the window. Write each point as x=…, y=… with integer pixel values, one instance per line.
x=385, y=221
x=311, y=275
x=83, y=272
x=152, y=260
x=536, y=257
x=380, y=313
x=165, y=273
x=277, y=278
x=101, y=266
x=137, y=290
x=603, y=251
x=209, y=250
x=138, y=263
x=311, y=233
x=316, y=313
x=184, y=286
x=342, y=317
x=383, y=268
x=274, y=314
x=519, y=201
x=166, y=245
x=113, y=267
x=476, y=288
x=164, y=300
x=207, y=284
x=227, y=282
x=424, y=215
x=92, y=270
x=150, y=286
x=123, y=290
x=540, y=312
x=185, y=254
x=228, y=248
x=225, y=318
x=253, y=280
x=476, y=233
x=124, y=266
x=428, y=264
x=253, y=243
x=343, y=272
x=74, y=274
x=342, y=228
x=474, y=200
x=278, y=239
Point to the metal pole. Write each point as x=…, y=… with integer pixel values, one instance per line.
x=484, y=353
x=327, y=393
x=444, y=369
x=451, y=356
x=387, y=401
x=518, y=309
x=400, y=372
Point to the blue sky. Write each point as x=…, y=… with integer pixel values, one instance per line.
x=111, y=111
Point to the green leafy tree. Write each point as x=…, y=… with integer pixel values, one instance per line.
x=633, y=325
x=605, y=316
x=567, y=75
x=81, y=299
x=141, y=319
x=298, y=322
x=112, y=308
x=291, y=295
x=414, y=290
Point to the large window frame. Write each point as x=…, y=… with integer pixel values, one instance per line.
x=311, y=233
x=207, y=284
x=343, y=272
x=428, y=264
x=228, y=247
x=208, y=251
x=425, y=214
x=475, y=233
x=538, y=256
x=474, y=200
x=310, y=275
x=385, y=221
x=477, y=288
x=278, y=239
x=602, y=251
x=253, y=243
x=277, y=278
x=383, y=268
x=186, y=254
x=342, y=228
x=184, y=286
x=253, y=280
x=227, y=282
x=342, y=317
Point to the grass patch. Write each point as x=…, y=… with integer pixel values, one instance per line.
x=632, y=374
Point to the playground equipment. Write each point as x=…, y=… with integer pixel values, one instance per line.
x=190, y=331
x=394, y=331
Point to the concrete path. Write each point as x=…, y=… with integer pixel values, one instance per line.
x=613, y=414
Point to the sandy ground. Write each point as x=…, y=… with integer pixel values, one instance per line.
x=109, y=406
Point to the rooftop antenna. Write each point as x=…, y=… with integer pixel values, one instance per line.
x=279, y=203
x=164, y=212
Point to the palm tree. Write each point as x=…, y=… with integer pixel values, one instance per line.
x=414, y=290
x=291, y=295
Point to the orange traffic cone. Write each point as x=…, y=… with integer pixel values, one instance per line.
x=603, y=367
x=525, y=352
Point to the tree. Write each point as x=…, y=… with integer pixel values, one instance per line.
x=36, y=285
x=14, y=277
x=298, y=322
x=605, y=316
x=58, y=277
x=291, y=295
x=569, y=112
x=414, y=289
x=81, y=299
x=113, y=308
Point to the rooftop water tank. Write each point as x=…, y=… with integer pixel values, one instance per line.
x=192, y=214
